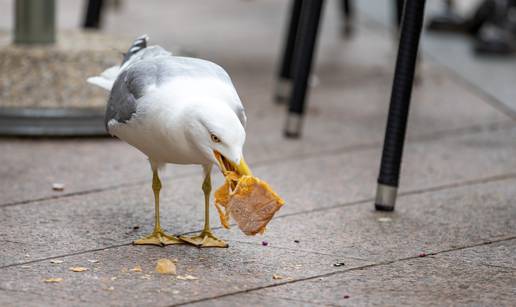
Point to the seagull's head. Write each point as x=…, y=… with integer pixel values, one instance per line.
x=219, y=134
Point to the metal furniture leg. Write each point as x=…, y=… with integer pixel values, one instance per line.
x=284, y=83
x=303, y=54
x=388, y=178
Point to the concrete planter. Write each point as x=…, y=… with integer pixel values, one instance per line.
x=43, y=88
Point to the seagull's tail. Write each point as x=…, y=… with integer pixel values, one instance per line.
x=107, y=77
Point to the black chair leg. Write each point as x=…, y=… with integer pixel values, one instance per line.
x=303, y=54
x=93, y=14
x=284, y=83
x=348, y=15
x=399, y=105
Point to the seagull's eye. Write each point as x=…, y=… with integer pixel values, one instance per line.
x=215, y=138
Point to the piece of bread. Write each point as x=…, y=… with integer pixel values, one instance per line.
x=252, y=203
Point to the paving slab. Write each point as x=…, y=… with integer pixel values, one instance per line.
x=247, y=299
x=455, y=50
x=15, y=298
x=423, y=223
x=353, y=235
x=30, y=167
x=96, y=220
x=217, y=272
x=458, y=278
x=500, y=254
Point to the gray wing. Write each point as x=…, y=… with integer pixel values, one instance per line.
x=153, y=66
x=141, y=71
x=122, y=102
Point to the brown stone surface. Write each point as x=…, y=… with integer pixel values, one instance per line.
x=13, y=298
x=81, y=165
x=217, y=272
x=456, y=195
x=107, y=217
x=423, y=223
x=479, y=275
x=259, y=300
x=458, y=278
x=358, y=239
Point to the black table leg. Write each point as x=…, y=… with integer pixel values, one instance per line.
x=399, y=106
x=303, y=54
x=284, y=83
x=93, y=14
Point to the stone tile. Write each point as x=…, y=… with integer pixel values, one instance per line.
x=248, y=266
x=15, y=298
x=219, y=272
x=490, y=74
x=92, y=221
x=326, y=180
x=339, y=118
x=246, y=299
x=447, y=224
x=30, y=167
x=423, y=223
x=446, y=279
x=500, y=254
x=98, y=220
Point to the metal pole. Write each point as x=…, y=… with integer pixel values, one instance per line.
x=303, y=55
x=388, y=178
x=284, y=85
x=34, y=22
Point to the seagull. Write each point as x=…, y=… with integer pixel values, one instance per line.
x=178, y=110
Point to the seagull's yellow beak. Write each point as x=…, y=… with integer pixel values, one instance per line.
x=229, y=166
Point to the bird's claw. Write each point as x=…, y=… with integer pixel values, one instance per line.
x=160, y=238
x=205, y=239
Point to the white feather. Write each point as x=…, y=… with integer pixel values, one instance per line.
x=106, y=78
x=164, y=118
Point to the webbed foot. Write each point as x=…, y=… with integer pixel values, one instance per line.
x=205, y=239
x=160, y=238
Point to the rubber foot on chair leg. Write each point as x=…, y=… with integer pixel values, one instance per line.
x=293, y=126
x=283, y=91
x=385, y=197
x=382, y=207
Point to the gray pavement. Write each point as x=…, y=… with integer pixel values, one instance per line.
x=451, y=240
x=492, y=74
